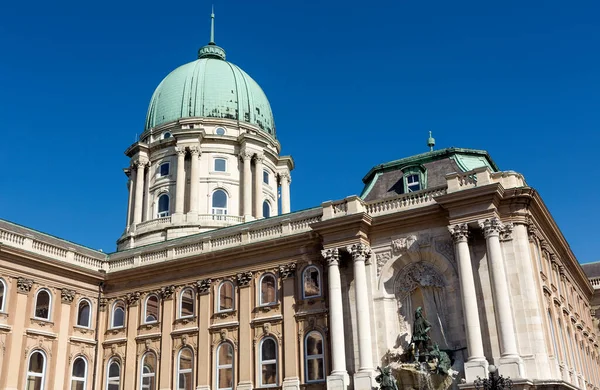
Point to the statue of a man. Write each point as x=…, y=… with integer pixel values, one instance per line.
x=420, y=336
x=386, y=379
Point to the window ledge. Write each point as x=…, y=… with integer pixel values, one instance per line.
x=41, y=321
x=219, y=173
x=150, y=325
x=185, y=320
x=83, y=329
x=225, y=314
x=118, y=330
x=268, y=307
x=3, y=314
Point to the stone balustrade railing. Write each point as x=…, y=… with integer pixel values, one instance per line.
x=595, y=283
x=405, y=201
x=482, y=176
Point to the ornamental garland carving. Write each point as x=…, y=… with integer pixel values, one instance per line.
x=446, y=248
x=67, y=296
x=415, y=275
x=24, y=285
x=331, y=256
x=132, y=298
x=359, y=252
x=382, y=259
x=287, y=270
x=203, y=285
x=506, y=232
x=244, y=278
x=167, y=291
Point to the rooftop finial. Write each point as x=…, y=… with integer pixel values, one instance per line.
x=212, y=26
x=430, y=142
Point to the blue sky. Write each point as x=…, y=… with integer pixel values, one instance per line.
x=352, y=84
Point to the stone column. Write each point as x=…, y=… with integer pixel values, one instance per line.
x=510, y=361
x=285, y=192
x=339, y=376
x=130, y=188
x=194, y=180
x=245, y=360
x=247, y=185
x=66, y=298
x=139, y=191
x=166, y=342
x=258, y=185
x=291, y=379
x=180, y=181
x=363, y=379
x=147, y=205
x=476, y=364
x=204, y=358
x=129, y=366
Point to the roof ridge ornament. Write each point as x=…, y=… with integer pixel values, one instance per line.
x=212, y=50
x=430, y=142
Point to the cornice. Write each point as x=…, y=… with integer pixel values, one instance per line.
x=345, y=228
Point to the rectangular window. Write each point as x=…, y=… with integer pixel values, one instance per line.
x=412, y=183
x=220, y=165
x=164, y=169
x=265, y=177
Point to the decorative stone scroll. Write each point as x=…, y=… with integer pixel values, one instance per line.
x=203, y=286
x=331, y=256
x=132, y=298
x=415, y=275
x=67, y=296
x=287, y=271
x=246, y=156
x=459, y=232
x=24, y=285
x=167, y=291
x=244, y=278
x=359, y=252
x=532, y=230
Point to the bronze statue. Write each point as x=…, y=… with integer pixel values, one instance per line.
x=420, y=336
x=386, y=379
x=443, y=360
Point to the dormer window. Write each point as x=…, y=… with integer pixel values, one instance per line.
x=413, y=183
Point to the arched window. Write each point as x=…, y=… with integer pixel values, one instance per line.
x=225, y=366
x=2, y=295
x=79, y=374
x=268, y=290
x=219, y=202
x=266, y=209
x=268, y=362
x=225, y=296
x=113, y=375
x=311, y=282
x=43, y=305
x=266, y=177
x=84, y=313
x=186, y=303
x=36, y=371
x=151, y=309
x=163, y=206
x=314, y=357
x=185, y=364
x=148, y=372
x=118, y=315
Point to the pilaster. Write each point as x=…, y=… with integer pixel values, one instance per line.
x=101, y=329
x=180, y=183
x=194, y=183
x=203, y=359
x=166, y=342
x=286, y=180
x=245, y=360
x=64, y=314
x=258, y=185
x=129, y=374
x=246, y=158
x=291, y=380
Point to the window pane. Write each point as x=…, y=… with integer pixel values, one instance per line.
x=314, y=369
x=267, y=290
x=220, y=164
x=187, y=303
x=266, y=210
x=226, y=296
x=312, y=285
x=268, y=350
x=83, y=315
x=164, y=169
x=269, y=374
x=114, y=371
x=185, y=359
x=152, y=309
x=1, y=296
x=163, y=203
x=185, y=381
x=77, y=385
x=225, y=355
x=219, y=199
x=34, y=383
x=36, y=363
x=149, y=363
x=118, y=316
x=42, y=305
x=220, y=131
x=266, y=177
x=314, y=344
x=79, y=368
x=225, y=378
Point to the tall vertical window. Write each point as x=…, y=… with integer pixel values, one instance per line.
x=84, y=313
x=118, y=315
x=311, y=282
x=164, y=169
x=266, y=177
x=412, y=183
x=219, y=203
x=268, y=290
x=225, y=296
x=186, y=303
x=185, y=366
x=268, y=362
x=148, y=372
x=79, y=374
x=220, y=165
x=225, y=366
x=2, y=295
x=553, y=334
x=151, y=309
x=163, y=206
x=113, y=375
x=36, y=371
x=314, y=357
x=266, y=209
x=43, y=304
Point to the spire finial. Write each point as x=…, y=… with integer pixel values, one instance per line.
x=212, y=26
x=430, y=142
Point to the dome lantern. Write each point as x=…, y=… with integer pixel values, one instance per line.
x=212, y=50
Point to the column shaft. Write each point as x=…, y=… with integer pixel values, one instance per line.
x=258, y=181
x=336, y=314
x=130, y=189
x=247, y=183
x=139, y=191
x=194, y=180
x=180, y=183
x=285, y=193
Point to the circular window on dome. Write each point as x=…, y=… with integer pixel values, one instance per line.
x=166, y=135
x=220, y=131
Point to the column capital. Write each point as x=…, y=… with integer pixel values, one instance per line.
x=203, y=286
x=258, y=158
x=140, y=163
x=285, y=176
x=195, y=150
x=459, y=232
x=331, y=256
x=166, y=292
x=24, y=285
x=67, y=296
x=180, y=150
x=494, y=227
x=246, y=155
x=132, y=298
x=359, y=252
x=244, y=278
x=287, y=270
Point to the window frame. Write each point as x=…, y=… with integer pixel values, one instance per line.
x=414, y=183
x=180, y=315
x=42, y=375
x=262, y=362
x=214, y=165
x=117, y=361
x=260, y=291
x=308, y=357
x=4, y=296
x=162, y=214
x=220, y=128
x=219, y=310
x=266, y=177
x=220, y=366
x=166, y=135
x=409, y=171
x=145, y=319
x=150, y=374
x=112, y=314
x=304, y=296
x=160, y=167
x=179, y=371
x=85, y=374
x=217, y=214
x=268, y=204
x=89, y=319
x=49, y=305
